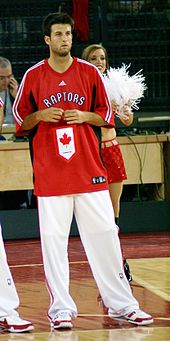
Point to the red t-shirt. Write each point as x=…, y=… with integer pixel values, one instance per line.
x=66, y=159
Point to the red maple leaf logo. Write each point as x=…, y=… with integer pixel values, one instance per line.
x=65, y=139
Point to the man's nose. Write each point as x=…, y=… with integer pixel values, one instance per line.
x=65, y=37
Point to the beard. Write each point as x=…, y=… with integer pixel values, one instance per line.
x=62, y=52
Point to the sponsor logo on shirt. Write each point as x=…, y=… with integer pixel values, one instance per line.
x=98, y=180
x=62, y=83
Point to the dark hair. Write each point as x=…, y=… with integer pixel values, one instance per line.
x=56, y=18
x=93, y=47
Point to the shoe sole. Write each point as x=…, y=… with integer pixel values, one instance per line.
x=14, y=330
x=66, y=325
x=142, y=323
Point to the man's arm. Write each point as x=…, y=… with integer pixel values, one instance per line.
x=78, y=117
x=46, y=115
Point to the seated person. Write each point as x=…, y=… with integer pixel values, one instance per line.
x=11, y=199
x=8, y=89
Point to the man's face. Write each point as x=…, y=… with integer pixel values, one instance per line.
x=5, y=76
x=60, y=41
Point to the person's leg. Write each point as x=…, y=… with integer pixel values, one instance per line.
x=9, y=299
x=95, y=219
x=55, y=216
x=99, y=233
x=115, y=190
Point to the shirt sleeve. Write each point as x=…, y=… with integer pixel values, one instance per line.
x=24, y=103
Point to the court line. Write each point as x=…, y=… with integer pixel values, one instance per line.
x=150, y=287
x=40, y=264
x=103, y=315
x=25, y=265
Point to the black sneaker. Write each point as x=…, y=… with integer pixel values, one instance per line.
x=127, y=270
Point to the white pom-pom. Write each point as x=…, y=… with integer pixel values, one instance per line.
x=123, y=89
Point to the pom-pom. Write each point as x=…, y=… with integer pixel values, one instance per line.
x=124, y=89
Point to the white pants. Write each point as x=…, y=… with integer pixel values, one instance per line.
x=99, y=235
x=9, y=300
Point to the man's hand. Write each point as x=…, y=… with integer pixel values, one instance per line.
x=13, y=87
x=74, y=116
x=46, y=115
x=50, y=114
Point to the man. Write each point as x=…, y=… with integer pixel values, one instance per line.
x=63, y=101
x=9, y=301
x=8, y=89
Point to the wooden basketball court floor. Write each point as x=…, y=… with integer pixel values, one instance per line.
x=149, y=258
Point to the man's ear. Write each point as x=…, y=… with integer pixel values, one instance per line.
x=47, y=39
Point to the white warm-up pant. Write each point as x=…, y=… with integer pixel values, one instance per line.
x=99, y=235
x=9, y=300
